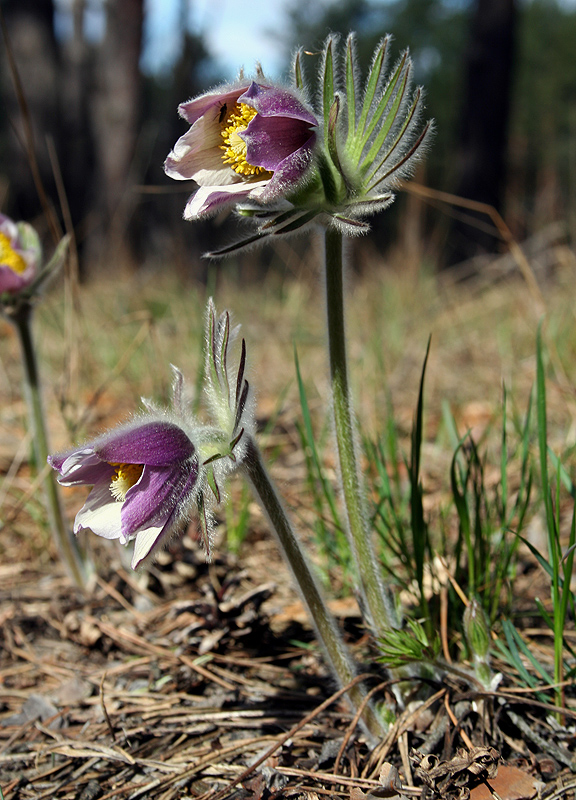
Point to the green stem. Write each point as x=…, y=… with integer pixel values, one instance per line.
x=382, y=616
x=336, y=651
x=78, y=567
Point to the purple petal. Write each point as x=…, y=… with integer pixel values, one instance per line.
x=156, y=495
x=273, y=102
x=81, y=466
x=158, y=444
x=288, y=173
x=155, y=520
x=210, y=104
x=11, y=281
x=150, y=537
x=270, y=140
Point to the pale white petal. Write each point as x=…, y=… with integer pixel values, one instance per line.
x=200, y=149
x=208, y=198
x=222, y=175
x=79, y=458
x=101, y=514
x=145, y=541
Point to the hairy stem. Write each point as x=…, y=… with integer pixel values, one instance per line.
x=337, y=653
x=78, y=567
x=381, y=614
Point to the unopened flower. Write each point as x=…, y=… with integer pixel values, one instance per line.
x=145, y=479
x=247, y=141
x=20, y=255
x=372, y=135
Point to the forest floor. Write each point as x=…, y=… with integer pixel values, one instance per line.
x=203, y=680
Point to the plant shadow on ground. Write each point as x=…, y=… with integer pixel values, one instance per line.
x=196, y=680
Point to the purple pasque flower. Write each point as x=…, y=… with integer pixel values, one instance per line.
x=20, y=254
x=249, y=141
x=144, y=476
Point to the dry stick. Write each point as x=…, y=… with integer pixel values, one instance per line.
x=354, y=723
x=72, y=306
x=515, y=251
x=283, y=739
x=466, y=739
x=29, y=135
x=500, y=225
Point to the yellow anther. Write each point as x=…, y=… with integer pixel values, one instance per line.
x=124, y=477
x=9, y=257
x=234, y=147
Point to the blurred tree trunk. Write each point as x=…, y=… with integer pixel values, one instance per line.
x=485, y=114
x=76, y=146
x=115, y=106
x=30, y=28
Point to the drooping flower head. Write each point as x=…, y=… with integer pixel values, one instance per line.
x=151, y=474
x=265, y=150
x=145, y=477
x=20, y=255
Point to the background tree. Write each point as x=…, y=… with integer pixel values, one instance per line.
x=481, y=152
x=112, y=124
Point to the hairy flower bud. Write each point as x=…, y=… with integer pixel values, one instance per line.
x=476, y=629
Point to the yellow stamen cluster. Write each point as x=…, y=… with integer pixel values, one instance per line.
x=124, y=477
x=234, y=147
x=9, y=257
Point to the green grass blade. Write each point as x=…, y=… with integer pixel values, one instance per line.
x=504, y=460
x=315, y=462
x=418, y=525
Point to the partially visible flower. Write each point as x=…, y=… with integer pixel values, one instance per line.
x=246, y=141
x=20, y=255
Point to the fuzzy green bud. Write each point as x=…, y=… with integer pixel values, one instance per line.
x=476, y=630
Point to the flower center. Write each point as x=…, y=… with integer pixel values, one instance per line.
x=234, y=147
x=124, y=477
x=9, y=257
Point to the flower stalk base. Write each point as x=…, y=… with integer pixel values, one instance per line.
x=380, y=612
x=336, y=651
x=79, y=568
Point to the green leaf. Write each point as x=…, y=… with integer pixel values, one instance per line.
x=298, y=79
x=371, y=87
x=397, y=165
x=510, y=630
x=328, y=89
x=391, y=89
x=350, y=86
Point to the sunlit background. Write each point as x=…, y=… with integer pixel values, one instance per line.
x=101, y=82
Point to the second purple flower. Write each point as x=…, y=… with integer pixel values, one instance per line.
x=144, y=476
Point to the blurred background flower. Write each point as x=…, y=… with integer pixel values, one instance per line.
x=20, y=254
